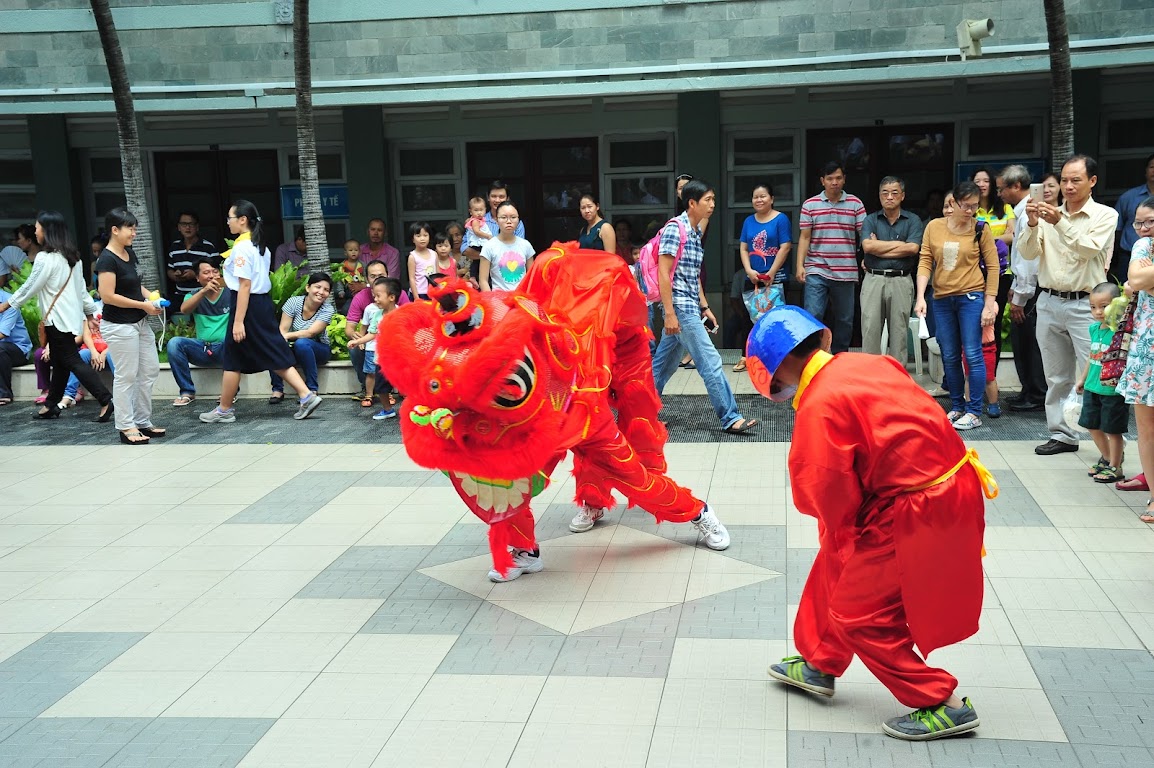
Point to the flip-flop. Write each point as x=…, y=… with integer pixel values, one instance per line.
x=182, y=401
x=1147, y=516
x=5, y=401
x=738, y=368
x=1136, y=483
x=745, y=426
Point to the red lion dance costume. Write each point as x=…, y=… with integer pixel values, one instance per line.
x=499, y=385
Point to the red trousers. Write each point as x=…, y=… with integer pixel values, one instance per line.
x=628, y=454
x=855, y=609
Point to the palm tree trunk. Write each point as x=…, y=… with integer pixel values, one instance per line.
x=131, y=160
x=315, y=238
x=1061, y=84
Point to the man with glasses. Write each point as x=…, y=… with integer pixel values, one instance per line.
x=891, y=239
x=183, y=254
x=1072, y=244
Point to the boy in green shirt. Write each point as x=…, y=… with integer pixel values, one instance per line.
x=1104, y=412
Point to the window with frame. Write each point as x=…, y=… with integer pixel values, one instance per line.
x=754, y=159
x=1004, y=140
x=105, y=190
x=429, y=188
x=1127, y=142
x=637, y=182
x=330, y=170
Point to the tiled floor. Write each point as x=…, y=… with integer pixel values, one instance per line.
x=326, y=605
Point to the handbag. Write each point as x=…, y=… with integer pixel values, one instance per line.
x=1114, y=358
x=42, y=335
x=762, y=299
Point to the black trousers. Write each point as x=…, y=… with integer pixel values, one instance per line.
x=64, y=357
x=1028, y=355
x=1118, y=270
x=11, y=356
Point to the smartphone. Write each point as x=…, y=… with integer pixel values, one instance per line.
x=709, y=324
x=1036, y=193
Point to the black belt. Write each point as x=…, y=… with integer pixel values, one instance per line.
x=1065, y=294
x=890, y=272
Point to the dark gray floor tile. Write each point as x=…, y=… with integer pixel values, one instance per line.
x=591, y=656
x=41, y=674
x=1100, y=756
x=1120, y=719
x=502, y=655
x=451, y=553
x=1015, y=507
x=433, y=617
x=652, y=625
x=494, y=620
x=748, y=613
x=418, y=586
x=191, y=742
x=367, y=584
x=402, y=479
x=67, y=741
x=798, y=564
x=385, y=558
x=971, y=752
x=9, y=725
x=1093, y=669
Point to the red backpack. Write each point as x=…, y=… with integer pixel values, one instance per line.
x=649, y=256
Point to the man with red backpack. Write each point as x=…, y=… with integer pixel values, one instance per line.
x=687, y=313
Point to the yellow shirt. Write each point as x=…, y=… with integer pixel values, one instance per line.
x=955, y=260
x=1075, y=252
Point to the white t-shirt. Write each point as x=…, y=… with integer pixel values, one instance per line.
x=508, y=262
x=244, y=261
x=372, y=322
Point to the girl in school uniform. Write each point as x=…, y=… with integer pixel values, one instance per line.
x=253, y=341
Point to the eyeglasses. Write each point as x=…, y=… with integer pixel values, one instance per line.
x=891, y=194
x=186, y=223
x=507, y=218
x=232, y=218
x=1141, y=225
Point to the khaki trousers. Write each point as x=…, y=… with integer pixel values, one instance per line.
x=886, y=300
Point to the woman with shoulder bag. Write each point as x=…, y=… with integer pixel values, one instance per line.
x=57, y=284
x=124, y=325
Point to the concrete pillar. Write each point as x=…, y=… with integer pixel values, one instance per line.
x=56, y=172
x=700, y=152
x=1087, y=112
x=367, y=169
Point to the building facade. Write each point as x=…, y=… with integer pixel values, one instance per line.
x=416, y=112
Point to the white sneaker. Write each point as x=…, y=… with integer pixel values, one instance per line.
x=967, y=421
x=586, y=518
x=710, y=530
x=523, y=562
x=217, y=416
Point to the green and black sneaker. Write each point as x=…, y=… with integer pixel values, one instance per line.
x=794, y=671
x=933, y=722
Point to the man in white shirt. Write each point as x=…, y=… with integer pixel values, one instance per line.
x=1072, y=244
x=1014, y=188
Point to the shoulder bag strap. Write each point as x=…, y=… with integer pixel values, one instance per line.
x=62, y=289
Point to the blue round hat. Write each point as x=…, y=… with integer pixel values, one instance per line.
x=775, y=335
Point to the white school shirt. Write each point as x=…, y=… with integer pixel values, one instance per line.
x=244, y=261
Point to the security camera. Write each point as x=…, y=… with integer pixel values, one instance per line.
x=971, y=32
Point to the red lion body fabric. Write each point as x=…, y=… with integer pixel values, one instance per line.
x=499, y=385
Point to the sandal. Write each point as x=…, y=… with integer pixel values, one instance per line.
x=1136, y=483
x=1098, y=466
x=42, y=399
x=1147, y=516
x=740, y=366
x=5, y=401
x=954, y=416
x=741, y=426
x=133, y=437
x=153, y=431
x=1109, y=474
x=183, y=400
x=366, y=402
x=276, y=399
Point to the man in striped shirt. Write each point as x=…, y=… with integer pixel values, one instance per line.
x=827, y=261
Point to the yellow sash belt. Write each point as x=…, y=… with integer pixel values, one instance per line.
x=989, y=484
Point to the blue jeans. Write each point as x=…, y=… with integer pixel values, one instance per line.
x=309, y=353
x=697, y=342
x=73, y=385
x=958, y=321
x=820, y=293
x=182, y=352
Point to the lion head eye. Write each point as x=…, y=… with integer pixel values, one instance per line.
x=518, y=385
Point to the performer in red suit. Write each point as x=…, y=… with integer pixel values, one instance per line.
x=900, y=512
